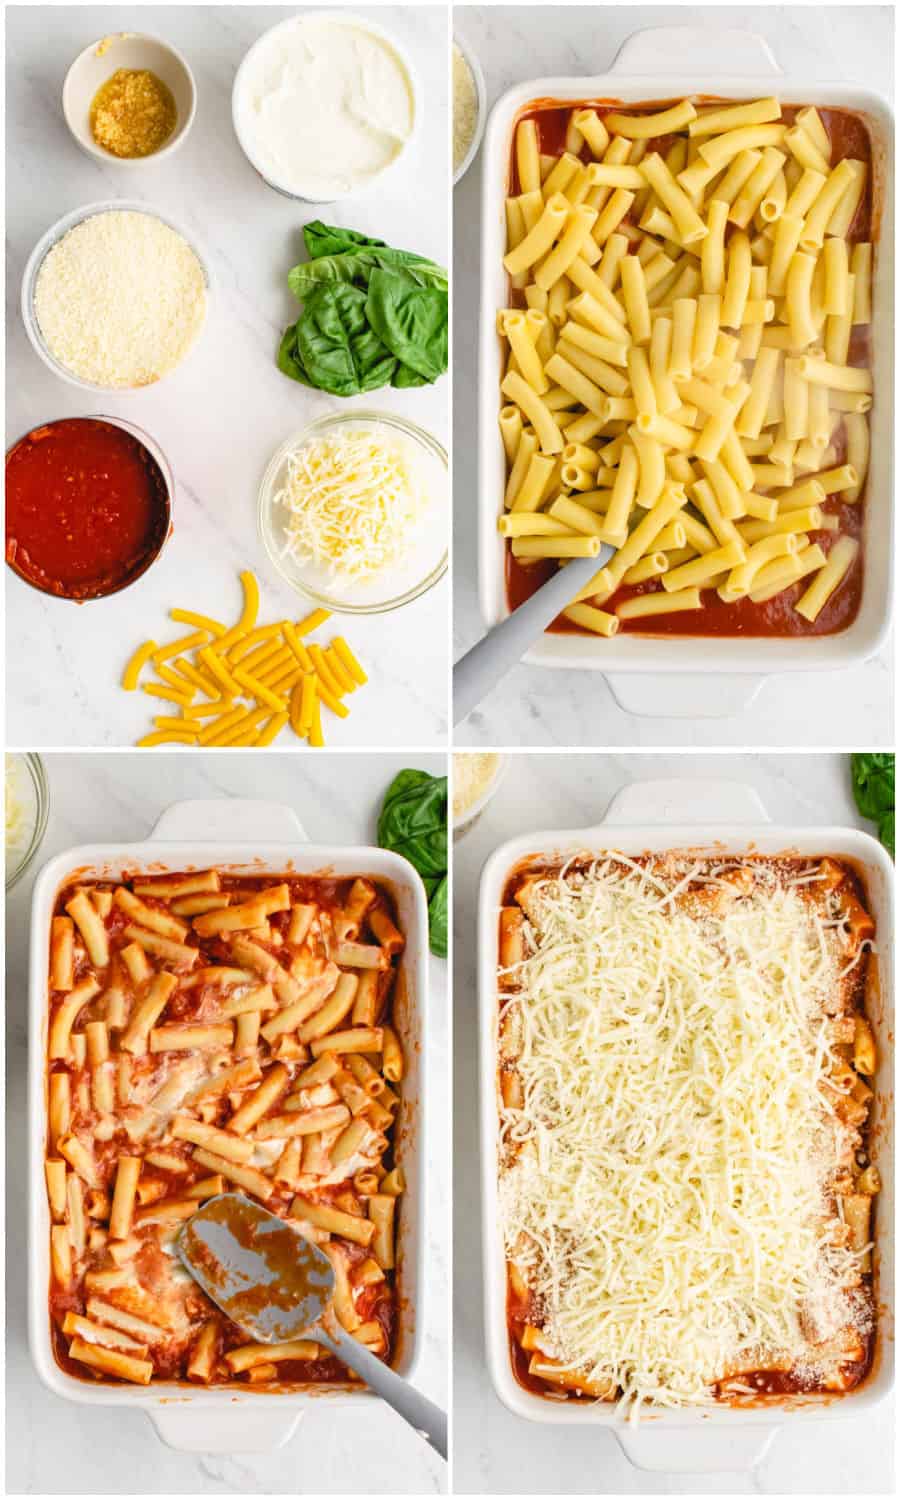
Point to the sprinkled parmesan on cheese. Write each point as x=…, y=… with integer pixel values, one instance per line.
x=354, y=501
x=120, y=299
x=665, y=1182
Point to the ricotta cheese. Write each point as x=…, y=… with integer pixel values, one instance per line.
x=323, y=106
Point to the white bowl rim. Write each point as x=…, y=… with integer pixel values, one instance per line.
x=52, y=236
x=477, y=72
x=365, y=414
x=181, y=131
x=476, y=808
x=346, y=18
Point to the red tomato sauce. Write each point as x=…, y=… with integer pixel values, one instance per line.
x=849, y=136
x=376, y=1303
x=87, y=508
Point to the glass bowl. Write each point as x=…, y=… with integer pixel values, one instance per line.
x=31, y=786
x=401, y=582
x=45, y=245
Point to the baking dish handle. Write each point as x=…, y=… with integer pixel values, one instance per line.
x=690, y=1450
x=684, y=695
x=710, y=49
x=682, y=801
x=189, y=1429
x=231, y=819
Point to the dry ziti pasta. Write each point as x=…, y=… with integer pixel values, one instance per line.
x=686, y=363
x=283, y=679
x=210, y=1032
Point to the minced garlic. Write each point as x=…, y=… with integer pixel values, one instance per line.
x=132, y=113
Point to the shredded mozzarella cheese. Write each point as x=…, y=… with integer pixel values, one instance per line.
x=664, y=1184
x=354, y=501
x=15, y=810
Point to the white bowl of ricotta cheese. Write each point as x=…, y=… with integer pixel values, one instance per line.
x=324, y=105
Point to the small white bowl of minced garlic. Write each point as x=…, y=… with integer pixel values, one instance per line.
x=469, y=107
x=129, y=99
x=475, y=778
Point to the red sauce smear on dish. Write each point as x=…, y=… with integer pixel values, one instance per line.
x=87, y=508
x=849, y=136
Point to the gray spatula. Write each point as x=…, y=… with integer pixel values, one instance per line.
x=476, y=673
x=276, y=1286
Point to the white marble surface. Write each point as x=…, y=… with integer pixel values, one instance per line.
x=221, y=415
x=536, y=705
x=496, y=1452
x=55, y=1447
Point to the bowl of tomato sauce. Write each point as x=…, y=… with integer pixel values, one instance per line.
x=88, y=506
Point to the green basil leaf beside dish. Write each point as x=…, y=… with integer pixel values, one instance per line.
x=872, y=774
x=413, y=822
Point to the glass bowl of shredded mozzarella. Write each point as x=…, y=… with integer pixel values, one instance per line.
x=27, y=810
x=354, y=511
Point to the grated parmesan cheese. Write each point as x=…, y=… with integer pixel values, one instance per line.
x=664, y=1186
x=465, y=107
x=472, y=775
x=354, y=501
x=120, y=299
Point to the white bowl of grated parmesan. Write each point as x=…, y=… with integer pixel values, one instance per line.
x=115, y=296
x=354, y=511
x=476, y=777
x=469, y=107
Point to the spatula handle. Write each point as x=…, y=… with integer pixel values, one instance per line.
x=413, y=1407
x=476, y=673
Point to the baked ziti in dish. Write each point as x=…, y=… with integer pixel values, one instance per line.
x=687, y=371
x=685, y=1071
x=207, y=1033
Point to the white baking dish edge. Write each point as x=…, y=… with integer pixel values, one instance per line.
x=684, y=676
x=248, y=836
x=663, y=815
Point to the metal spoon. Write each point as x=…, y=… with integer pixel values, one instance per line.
x=276, y=1286
x=479, y=671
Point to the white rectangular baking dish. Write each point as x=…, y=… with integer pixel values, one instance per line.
x=244, y=837
x=685, y=676
x=656, y=816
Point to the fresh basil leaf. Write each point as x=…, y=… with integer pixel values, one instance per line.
x=886, y=832
x=413, y=821
x=336, y=346
x=411, y=320
x=330, y=239
x=439, y=918
x=872, y=774
x=288, y=358
x=357, y=266
x=404, y=378
x=873, y=783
